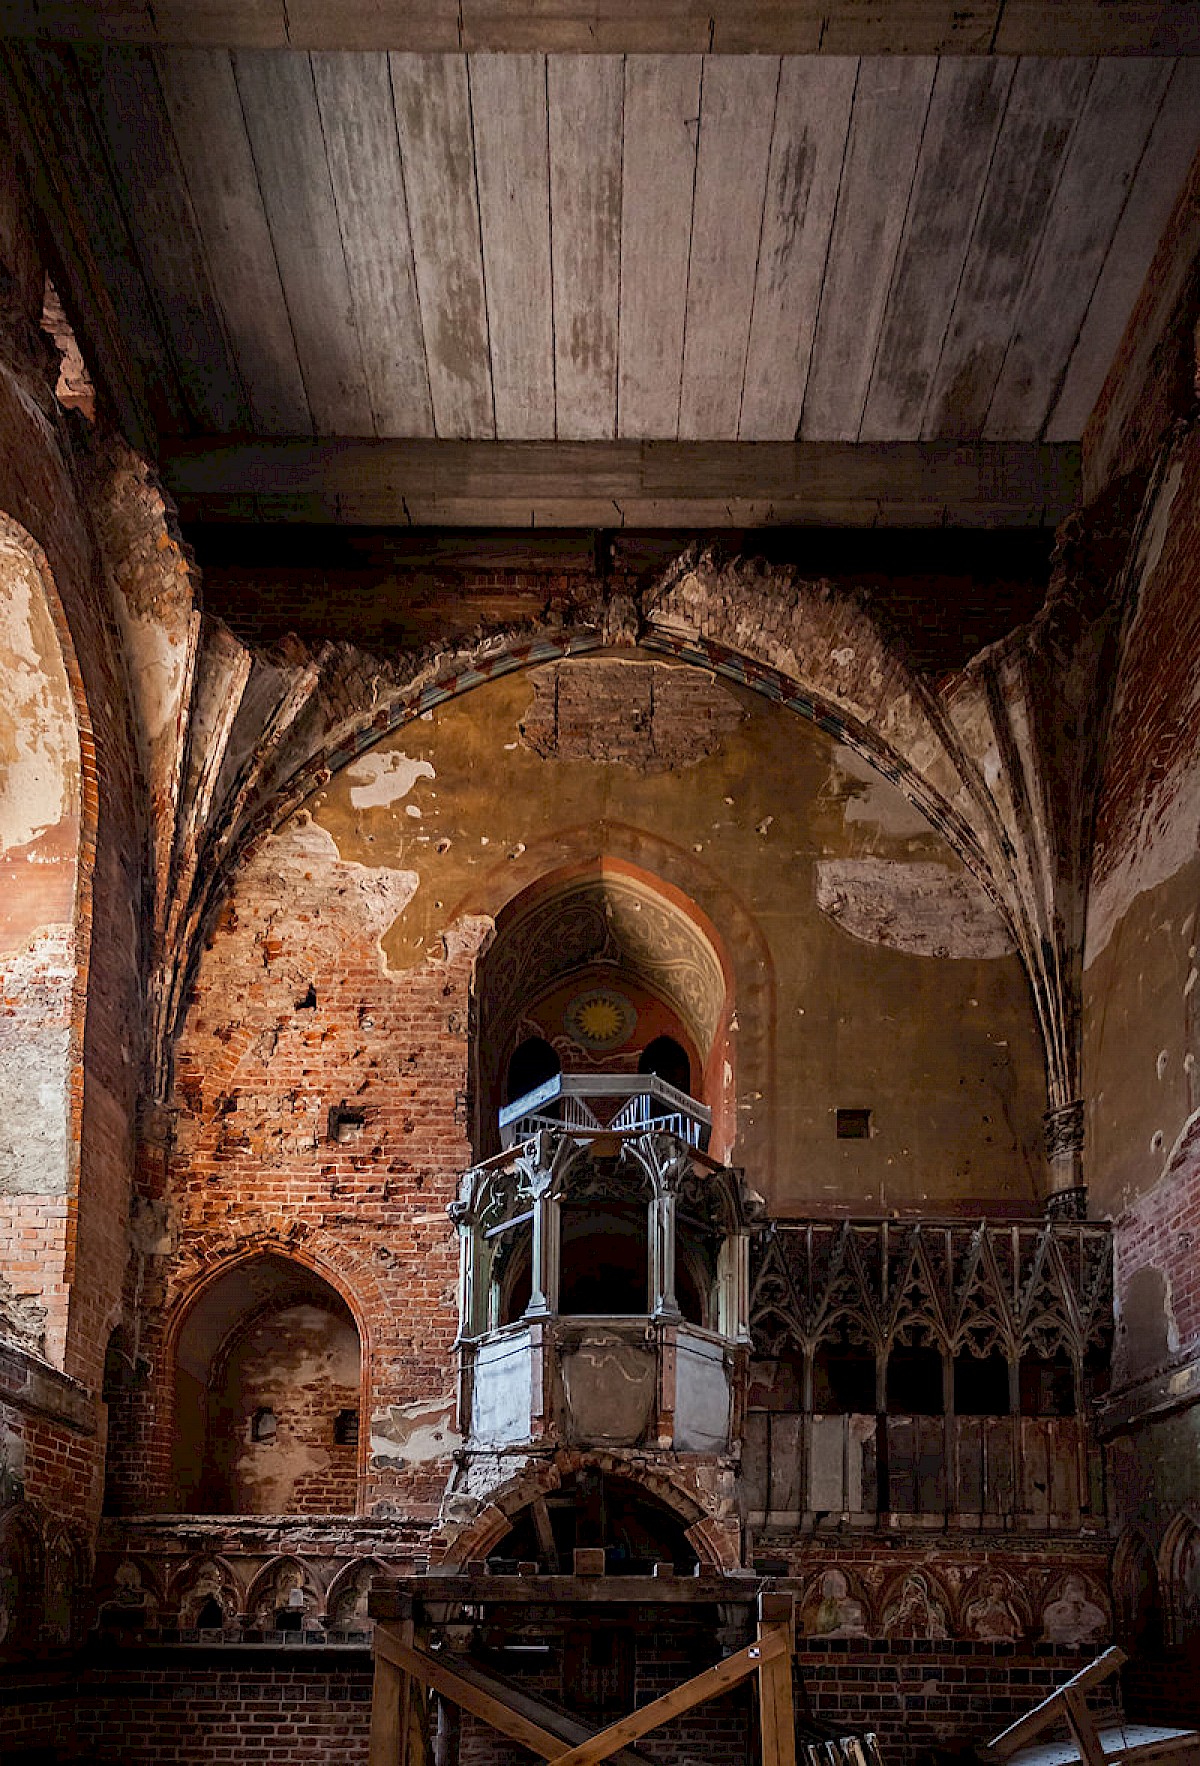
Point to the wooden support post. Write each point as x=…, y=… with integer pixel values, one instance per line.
x=391, y=1699
x=1083, y=1728
x=776, y=1711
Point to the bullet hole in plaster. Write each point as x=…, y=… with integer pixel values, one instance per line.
x=853, y=1125
x=410, y=809
x=443, y=845
x=698, y=847
x=1189, y=1062
x=972, y=1002
x=517, y=850
x=729, y=801
x=1160, y=1066
x=1156, y=1141
x=762, y=826
x=509, y=746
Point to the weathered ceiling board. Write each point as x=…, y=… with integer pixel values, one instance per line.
x=797, y=27
x=279, y=101
x=812, y=116
x=737, y=109
x=358, y=118
x=525, y=247
x=887, y=124
x=1106, y=151
x=202, y=100
x=965, y=112
x=1045, y=99
x=585, y=99
x=662, y=101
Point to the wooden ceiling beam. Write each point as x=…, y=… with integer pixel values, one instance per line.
x=838, y=27
x=616, y=484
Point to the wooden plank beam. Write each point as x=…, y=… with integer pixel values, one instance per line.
x=570, y=1591
x=615, y=484
x=837, y=27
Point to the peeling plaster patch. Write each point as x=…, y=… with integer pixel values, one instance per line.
x=924, y=910
x=22, y=1321
x=161, y=658
x=39, y=745
x=35, y=1064
x=387, y=776
x=377, y=895
x=414, y=1434
x=869, y=797
x=1147, y=1332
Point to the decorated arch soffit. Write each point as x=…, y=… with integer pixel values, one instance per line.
x=603, y=918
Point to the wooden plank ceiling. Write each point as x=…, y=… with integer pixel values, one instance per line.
x=530, y=247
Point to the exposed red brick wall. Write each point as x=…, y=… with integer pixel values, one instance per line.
x=213, y=1711
x=253, y=1167
x=914, y=1696
x=41, y=489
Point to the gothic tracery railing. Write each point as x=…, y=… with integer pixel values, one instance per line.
x=1012, y=1288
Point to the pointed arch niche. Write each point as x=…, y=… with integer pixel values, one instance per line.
x=268, y=1374
x=47, y=816
x=604, y=970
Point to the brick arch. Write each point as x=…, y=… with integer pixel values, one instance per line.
x=1134, y=1559
x=958, y=751
x=683, y=884
x=1181, y=1537
x=475, y=1538
x=55, y=1247
x=209, y=1259
x=263, y=1582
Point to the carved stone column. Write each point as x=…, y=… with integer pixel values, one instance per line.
x=1064, y=1131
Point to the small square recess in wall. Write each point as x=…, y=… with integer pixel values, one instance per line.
x=853, y=1125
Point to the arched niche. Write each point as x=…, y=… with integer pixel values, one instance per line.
x=593, y=968
x=44, y=917
x=267, y=1395
x=602, y=1510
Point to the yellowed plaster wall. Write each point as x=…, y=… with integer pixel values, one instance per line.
x=942, y=1049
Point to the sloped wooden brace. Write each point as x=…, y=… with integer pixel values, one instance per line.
x=714, y=1681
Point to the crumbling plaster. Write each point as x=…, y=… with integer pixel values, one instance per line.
x=968, y=753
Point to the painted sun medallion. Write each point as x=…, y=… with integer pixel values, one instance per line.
x=600, y=1019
